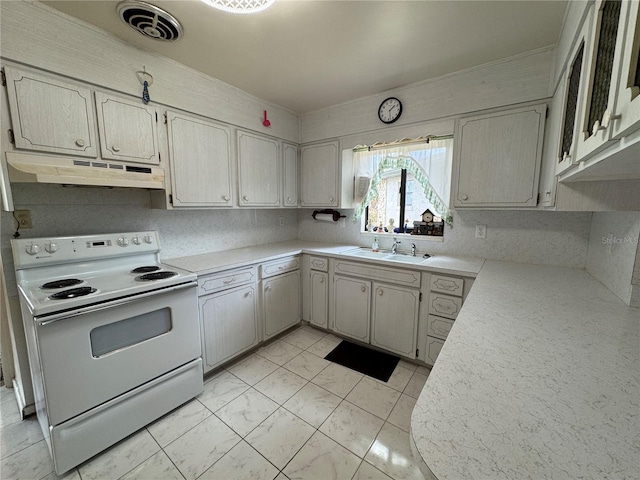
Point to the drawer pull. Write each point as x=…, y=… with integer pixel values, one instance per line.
x=245, y=198
x=249, y=294
x=80, y=142
x=363, y=288
x=230, y=280
x=225, y=198
x=380, y=292
x=281, y=267
x=267, y=288
x=115, y=148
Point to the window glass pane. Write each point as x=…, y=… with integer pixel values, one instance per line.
x=387, y=205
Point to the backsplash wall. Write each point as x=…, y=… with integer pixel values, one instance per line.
x=540, y=237
x=57, y=210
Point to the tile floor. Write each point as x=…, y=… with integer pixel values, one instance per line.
x=282, y=412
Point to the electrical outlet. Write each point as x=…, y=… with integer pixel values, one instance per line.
x=281, y=220
x=24, y=218
x=481, y=231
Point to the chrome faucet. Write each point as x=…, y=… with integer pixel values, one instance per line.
x=413, y=249
x=394, y=248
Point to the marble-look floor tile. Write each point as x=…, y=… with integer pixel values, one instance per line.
x=307, y=365
x=158, y=466
x=18, y=436
x=9, y=413
x=70, y=475
x=337, y=379
x=302, y=338
x=195, y=451
x=281, y=476
x=313, y=404
x=29, y=463
x=391, y=453
x=374, y=397
x=253, y=369
x=408, y=365
x=279, y=437
x=281, y=385
x=120, y=458
x=423, y=370
x=171, y=426
x=415, y=385
x=314, y=330
x=398, y=379
x=242, y=462
x=247, y=411
x=366, y=471
x=401, y=414
x=352, y=427
x=324, y=346
x=322, y=458
x=279, y=352
x=220, y=390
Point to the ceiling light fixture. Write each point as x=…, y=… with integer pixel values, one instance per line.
x=240, y=6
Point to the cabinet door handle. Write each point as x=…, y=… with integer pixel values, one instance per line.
x=380, y=291
x=321, y=280
x=268, y=287
x=80, y=142
x=465, y=197
x=245, y=198
x=249, y=294
x=331, y=199
x=225, y=198
x=281, y=267
x=115, y=148
x=363, y=288
x=289, y=199
x=231, y=280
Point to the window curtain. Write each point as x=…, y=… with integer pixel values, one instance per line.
x=429, y=163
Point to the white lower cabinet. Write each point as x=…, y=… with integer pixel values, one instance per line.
x=394, y=318
x=229, y=320
x=351, y=303
x=319, y=299
x=280, y=302
x=434, y=345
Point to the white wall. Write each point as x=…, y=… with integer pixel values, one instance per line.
x=541, y=237
x=613, y=253
x=57, y=210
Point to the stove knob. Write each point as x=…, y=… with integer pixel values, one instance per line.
x=136, y=240
x=32, y=249
x=148, y=239
x=123, y=241
x=51, y=247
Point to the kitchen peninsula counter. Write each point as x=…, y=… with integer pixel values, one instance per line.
x=539, y=378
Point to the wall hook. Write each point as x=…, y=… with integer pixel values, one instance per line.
x=266, y=122
x=143, y=76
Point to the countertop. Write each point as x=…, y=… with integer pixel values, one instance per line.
x=207, y=263
x=539, y=378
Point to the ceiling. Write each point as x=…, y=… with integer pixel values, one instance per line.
x=308, y=54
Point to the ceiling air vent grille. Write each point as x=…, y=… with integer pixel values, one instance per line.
x=150, y=21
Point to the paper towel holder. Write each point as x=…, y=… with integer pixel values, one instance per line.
x=334, y=213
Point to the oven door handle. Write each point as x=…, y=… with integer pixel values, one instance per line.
x=46, y=320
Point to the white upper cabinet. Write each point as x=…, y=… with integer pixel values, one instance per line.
x=200, y=162
x=258, y=170
x=290, y=168
x=319, y=175
x=497, y=158
x=628, y=90
x=50, y=116
x=127, y=129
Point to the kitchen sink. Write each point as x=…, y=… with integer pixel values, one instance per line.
x=386, y=256
x=367, y=253
x=405, y=258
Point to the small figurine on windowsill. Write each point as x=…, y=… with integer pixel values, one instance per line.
x=390, y=227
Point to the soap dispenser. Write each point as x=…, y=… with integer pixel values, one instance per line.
x=374, y=245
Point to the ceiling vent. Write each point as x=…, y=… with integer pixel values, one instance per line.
x=150, y=21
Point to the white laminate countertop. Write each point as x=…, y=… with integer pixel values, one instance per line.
x=538, y=379
x=207, y=263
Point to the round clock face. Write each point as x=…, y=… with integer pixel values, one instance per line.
x=427, y=217
x=390, y=110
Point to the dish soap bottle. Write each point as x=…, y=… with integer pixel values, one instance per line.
x=374, y=245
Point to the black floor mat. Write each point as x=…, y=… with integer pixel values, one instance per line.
x=364, y=360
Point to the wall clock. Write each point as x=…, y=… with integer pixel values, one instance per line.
x=390, y=110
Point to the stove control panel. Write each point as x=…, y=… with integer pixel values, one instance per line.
x=53, y=250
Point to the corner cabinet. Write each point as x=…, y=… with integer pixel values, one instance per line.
x=497, y=158
x=259, y=170
x=200, y=162
x=319, y=175
x=48, y=115
x=280, y=290
x=127, y=129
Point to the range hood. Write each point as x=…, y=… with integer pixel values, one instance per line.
x=26, y=168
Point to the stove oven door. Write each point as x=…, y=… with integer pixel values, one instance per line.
x=94, y=355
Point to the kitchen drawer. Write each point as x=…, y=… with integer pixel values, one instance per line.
x=388, y=275
x=450, y=285
x=434, y=345
x=439, y=327
x=319, y=263
x=279, y=266
x=444, y=305
x=227, y=279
